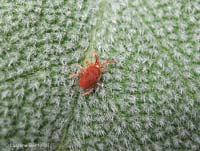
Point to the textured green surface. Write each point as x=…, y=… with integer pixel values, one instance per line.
x=150, y=99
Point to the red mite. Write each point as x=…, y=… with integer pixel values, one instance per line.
x=91, y=75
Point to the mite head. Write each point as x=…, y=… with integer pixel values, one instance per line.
x=100, y=65
x=97, y=62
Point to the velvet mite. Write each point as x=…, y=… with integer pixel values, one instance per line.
x=91, y=75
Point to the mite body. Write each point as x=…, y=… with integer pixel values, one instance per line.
x=91, y=75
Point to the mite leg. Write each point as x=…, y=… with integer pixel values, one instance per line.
x=78, y=65
x=88, y=92
x=108, y=62
x=105, y=63
x=99, y=84
x=74, y=75
x=105, y=69
x=88, y=62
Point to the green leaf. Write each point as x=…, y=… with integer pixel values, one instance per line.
x=150, y=99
